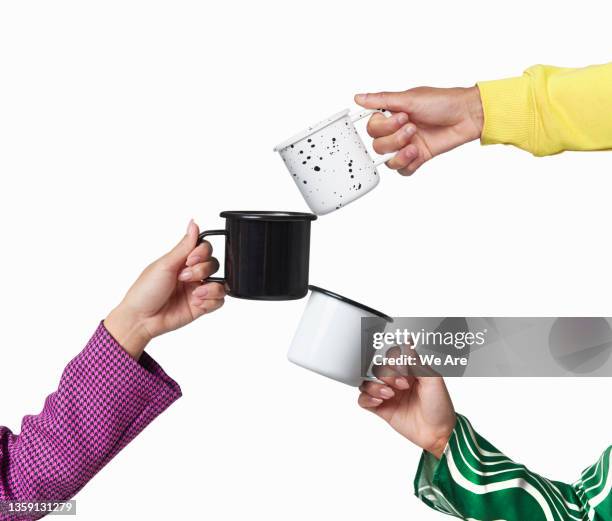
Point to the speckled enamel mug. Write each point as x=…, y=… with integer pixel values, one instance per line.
x=330, y=163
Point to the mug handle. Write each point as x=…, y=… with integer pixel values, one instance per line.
x=364, y=114
x=201, y=240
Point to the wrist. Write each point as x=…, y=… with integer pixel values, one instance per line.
x=438, y=448
x=475, y=111
x=128, y=330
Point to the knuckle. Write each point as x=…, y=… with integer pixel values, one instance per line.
x=216, y=291
x=401, y=138
x=384, y=100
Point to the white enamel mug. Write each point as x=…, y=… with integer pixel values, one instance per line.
x=328, y=337
x=329, y=162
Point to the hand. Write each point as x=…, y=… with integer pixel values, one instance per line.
x=418, y=407
x=168, y=295
x=426, y=122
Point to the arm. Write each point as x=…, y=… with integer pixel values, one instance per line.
x=105, y=398
x=545, y=111
x=473, y=480
x=550, y=109
x=112, y=390
x=463, y=475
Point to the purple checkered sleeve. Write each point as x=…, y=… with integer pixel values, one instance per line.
x=105, y=398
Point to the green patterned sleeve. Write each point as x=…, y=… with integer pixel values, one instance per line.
x=474, y=481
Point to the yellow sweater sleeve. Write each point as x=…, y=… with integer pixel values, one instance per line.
x=550, y=109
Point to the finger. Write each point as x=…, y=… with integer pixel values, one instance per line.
x=396, y=381
x=412, y=166
x=199, y=271
x=208, y=306
x=175, y=259
x=404, y=158
x=392, y=375
x=377, y=390
x=396, y=141
x=416, y=164
x=200, y=254
x=208, y=291
x=395, y=101
x=368, y=402
x=380, y=125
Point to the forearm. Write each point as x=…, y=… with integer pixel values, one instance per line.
x=105, y=398
x=550, y=109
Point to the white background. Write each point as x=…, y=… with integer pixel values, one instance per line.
x=120, y=120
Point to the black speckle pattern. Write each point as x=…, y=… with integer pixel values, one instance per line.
x=344, y=171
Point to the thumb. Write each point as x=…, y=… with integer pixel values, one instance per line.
x=176, y=258
x=394, y=101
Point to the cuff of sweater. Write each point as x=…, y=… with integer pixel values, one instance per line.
x=509, y=116
x=107, y=364
x=593, y=488
x=432, y=483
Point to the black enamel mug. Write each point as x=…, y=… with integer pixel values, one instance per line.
x=266, y=254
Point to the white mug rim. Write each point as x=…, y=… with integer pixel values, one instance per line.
x=311, y=130
x=350, y=302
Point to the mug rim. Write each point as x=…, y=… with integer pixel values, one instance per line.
x=267, y=215
x=352, y=302
x=311, y=130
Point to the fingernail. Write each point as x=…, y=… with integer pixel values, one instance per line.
x=189, y=225
x=402, y=118
x=409, y=129
x=410, y=152
x=202, y=291
x=185, y=275
x=375, y=401
x=360, y=98
x=387, y=393
x=196, y=259
x=402, y=383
